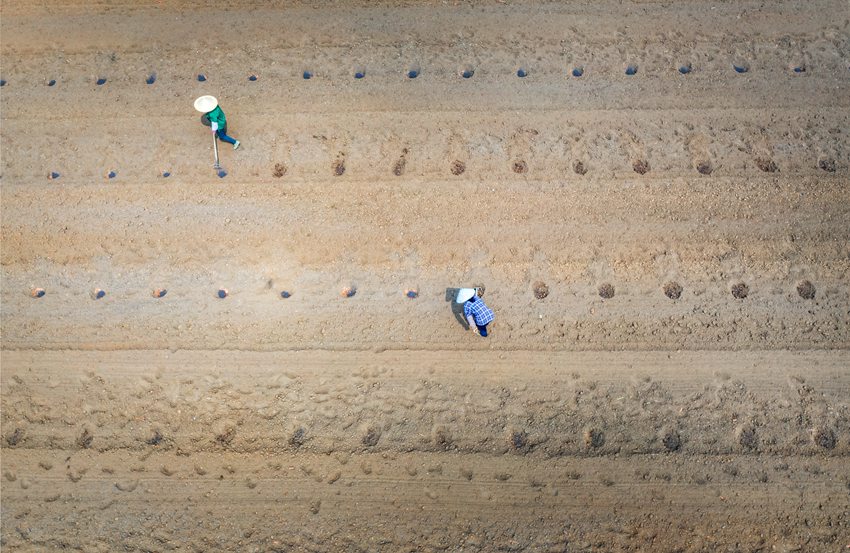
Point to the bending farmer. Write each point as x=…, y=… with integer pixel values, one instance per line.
x=213, y=117
x=477, y=314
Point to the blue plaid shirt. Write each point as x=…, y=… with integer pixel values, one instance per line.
x=481, y=314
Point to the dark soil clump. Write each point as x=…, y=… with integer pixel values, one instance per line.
x=279, y=170
x=606, y=291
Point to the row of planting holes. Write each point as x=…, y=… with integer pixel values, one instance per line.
x=466, y=73
x=673, y=290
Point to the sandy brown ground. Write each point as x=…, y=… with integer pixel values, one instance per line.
x=646, y=421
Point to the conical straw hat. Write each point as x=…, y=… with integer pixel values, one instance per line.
x=206, y=104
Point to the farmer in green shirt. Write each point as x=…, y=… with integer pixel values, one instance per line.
x=213, y=117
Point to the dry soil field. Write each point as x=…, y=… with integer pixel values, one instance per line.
x=667, y=253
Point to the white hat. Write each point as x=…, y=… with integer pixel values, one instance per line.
x=206, y=104
x=465, y=294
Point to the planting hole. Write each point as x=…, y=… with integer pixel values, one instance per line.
x=540, y=290
x=159, y=292
x=348, y=292
x=307, y=75
x=53, y=175
x=371, y=437
x=799, y=69
x=467, y=73
x=685, y=69
x=166, y=174
x=398, y=168
x=412, y=294
x=704, y=167
x=518, y=439
x=412, y=74
x=594, y=438
x=2, y=82
x=151, y=78
x=827, y=165
x=359, y=74
x=579, y=168
x=520, y=167
x=98, y=293
x=824, y=437
x=100, y=81
x=285, y=294
x=458, y=167
x=606, y=291
x=671, y=440
x=521, y=73
x=767, y=165
x=51, y=82
x=641, y=167
x=222, y=293
x=673, y=290
x=37, y=292
x=252, y=78
x=740, y=290
x=221, y=173
x=740, y=68
x=747, y=436
x=806, y=290
x=631, y=70
x=111, y=175
x=201, y=77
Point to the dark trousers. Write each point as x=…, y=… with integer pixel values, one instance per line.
x=482, y=330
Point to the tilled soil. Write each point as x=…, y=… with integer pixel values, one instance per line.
x=667, y=254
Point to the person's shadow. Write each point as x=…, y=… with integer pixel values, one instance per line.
x=457, y=308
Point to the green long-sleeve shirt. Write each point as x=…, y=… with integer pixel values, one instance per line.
x=218, y=116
